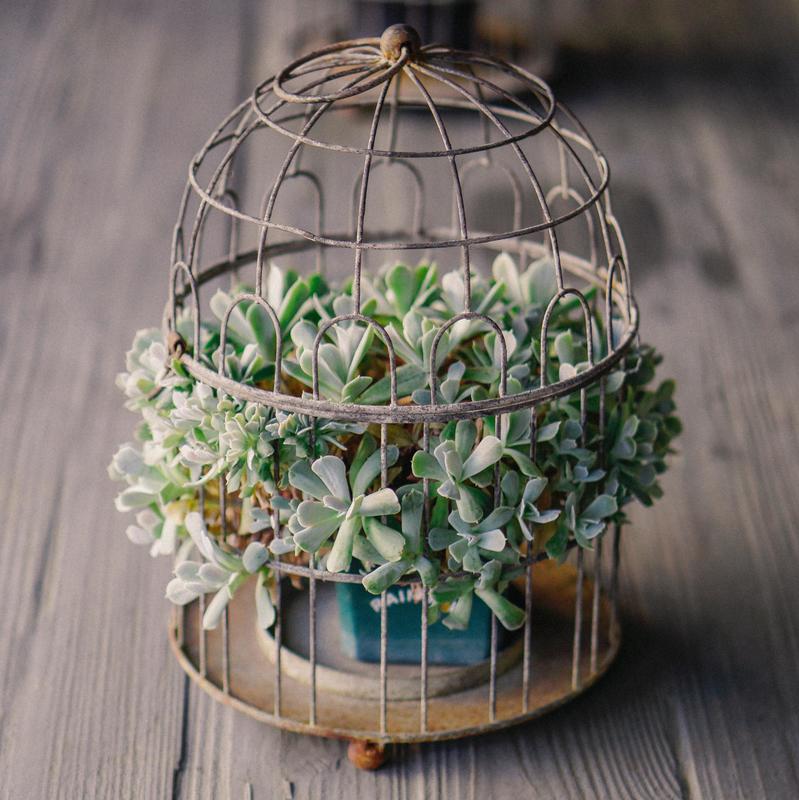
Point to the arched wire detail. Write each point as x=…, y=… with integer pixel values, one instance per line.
x=177, y=268
x=418, y=193
x=316, y=185
x=369, y=322
x=618, y=263
x=568, y=193
x=613, y=223
x=432, y=370
x=589, y=329
x=586, y=137
x=413, y=413
x=219, y=177
x=232, y=198
x=485, y=162
x=178, y=236
x=253, y=298
x=414, y=245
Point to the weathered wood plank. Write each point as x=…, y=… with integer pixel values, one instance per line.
x=94, y=122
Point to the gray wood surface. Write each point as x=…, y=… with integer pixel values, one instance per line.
x=100, y=108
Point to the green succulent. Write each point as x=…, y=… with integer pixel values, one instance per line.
x=340, y=506
x=401, y=288
x=527, y=514
x=454, y=463
x=467, y=543
x=295, y=483
x=397, y=556
x=222, y=573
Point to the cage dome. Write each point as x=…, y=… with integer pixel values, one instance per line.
x=476, y=121
x=385, y=150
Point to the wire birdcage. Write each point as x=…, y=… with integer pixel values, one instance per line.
x=492, y=121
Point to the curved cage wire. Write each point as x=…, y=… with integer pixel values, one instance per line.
x=484, y=119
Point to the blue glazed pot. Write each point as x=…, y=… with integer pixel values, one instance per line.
x=359, y=616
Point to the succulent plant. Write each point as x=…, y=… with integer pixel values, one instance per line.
x=527, y=513
x=454, y=462
x=340, y=506
x=221, y=572
x=295, y=485
x=468, y=544
x=403, y=555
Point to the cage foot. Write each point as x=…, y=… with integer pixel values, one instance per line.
x=366, y=755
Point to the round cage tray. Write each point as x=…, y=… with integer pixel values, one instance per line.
x=236, y=665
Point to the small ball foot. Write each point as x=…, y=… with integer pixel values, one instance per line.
x=366, y=755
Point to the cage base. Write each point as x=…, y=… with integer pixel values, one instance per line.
x=245, y=679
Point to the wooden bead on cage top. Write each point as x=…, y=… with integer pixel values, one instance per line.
x=396, y=37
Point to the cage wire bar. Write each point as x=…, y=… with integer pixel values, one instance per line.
x=371, y=74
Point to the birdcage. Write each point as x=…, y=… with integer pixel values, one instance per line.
x=442, y=143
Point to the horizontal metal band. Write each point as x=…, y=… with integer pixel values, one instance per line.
x=402, y=414
x=348, y=577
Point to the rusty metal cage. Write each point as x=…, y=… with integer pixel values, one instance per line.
x=480, y=122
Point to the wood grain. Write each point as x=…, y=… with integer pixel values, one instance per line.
x=101, y=106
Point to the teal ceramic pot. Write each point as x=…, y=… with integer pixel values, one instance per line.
x=359, y=616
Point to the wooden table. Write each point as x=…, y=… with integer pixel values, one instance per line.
x=102, y=106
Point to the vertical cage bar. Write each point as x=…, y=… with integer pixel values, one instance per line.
x=202, y=637
x=423, y=697
x=383, y=668
x=456, y=184
x=578, y=620
x=383, y=455
x=225, y=652
x=178, y=622
x=383, y=596
x=222, y=537
x=201, y=633
x=367, y=167
x=503, y=388
x=528, y=610
x=278, y=643
x=426, y=531
x=492, y=677
x=614, y=583
x=312, y=638
x=528, y=589
x=278, y=682
x=595, y=605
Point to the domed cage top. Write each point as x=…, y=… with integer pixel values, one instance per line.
x=336, y=122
